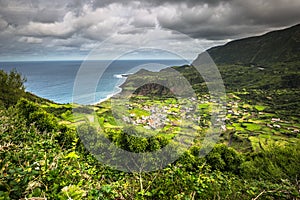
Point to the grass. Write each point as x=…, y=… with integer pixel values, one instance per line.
x=260, y=107
x=140, y=112
x=204, y=106
x=251, y=126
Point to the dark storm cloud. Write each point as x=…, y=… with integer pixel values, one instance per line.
x=190, y=3
x=269, y=12
x=22, y=12
x=231, y=19
x=63, y=25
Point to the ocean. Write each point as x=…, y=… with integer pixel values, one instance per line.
x=54, y=80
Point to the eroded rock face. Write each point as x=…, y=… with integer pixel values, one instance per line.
x=153, y=89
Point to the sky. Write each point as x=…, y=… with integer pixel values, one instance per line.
x=71, y=30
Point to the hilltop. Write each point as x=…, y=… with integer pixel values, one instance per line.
x=272, y=47
x=267, y=62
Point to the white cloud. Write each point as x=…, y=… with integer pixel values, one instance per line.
x=31, y=40
x=57, y=29
x=3, y=24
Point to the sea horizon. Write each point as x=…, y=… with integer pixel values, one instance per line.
x=54, y=79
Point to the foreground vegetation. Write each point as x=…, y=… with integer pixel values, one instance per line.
x=42, y=156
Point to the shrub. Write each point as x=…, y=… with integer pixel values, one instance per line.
x=43, y=120
x=71, y=192
x=25, y=107
x=276, y=163
x=224, y=158
x=32, y=113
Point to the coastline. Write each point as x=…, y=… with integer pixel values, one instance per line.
x=54, y=80
x=123, y=78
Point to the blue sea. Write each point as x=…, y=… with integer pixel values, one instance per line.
x=54, y=80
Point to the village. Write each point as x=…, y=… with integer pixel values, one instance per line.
x=192, y=112
x=157, y=115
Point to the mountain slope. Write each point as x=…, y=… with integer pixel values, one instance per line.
x=276, y=46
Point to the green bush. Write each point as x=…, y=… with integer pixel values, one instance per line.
x=43, y=121
x=224, y=158
x=275, y=163
x=132, y=140
x=32, y=113
x=71, y=192
x=25, y=107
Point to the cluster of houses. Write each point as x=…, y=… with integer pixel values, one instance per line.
x=162, y=115
x=237, y=112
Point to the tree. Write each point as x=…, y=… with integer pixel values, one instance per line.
x=11, y=87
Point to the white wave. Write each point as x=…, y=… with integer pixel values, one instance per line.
x=118, y=75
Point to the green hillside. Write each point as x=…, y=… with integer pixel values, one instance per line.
x=257, y=156
x=272, y=47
